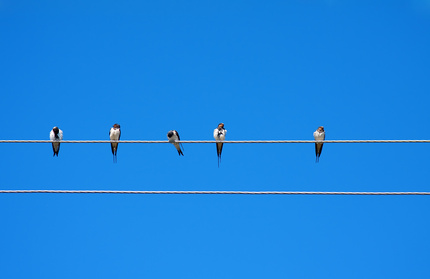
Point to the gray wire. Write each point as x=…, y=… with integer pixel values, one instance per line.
x=213, y=141
x=211, y=192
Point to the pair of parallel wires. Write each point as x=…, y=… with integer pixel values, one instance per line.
x=215, y=192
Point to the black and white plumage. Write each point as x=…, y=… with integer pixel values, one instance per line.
x=56, y=135
x=319, y=135
x=173, y=137
x=114, y=134
x=219, y=135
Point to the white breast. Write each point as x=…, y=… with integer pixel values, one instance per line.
x=114, y=134
x=319, y=135
x=173, y=138
x=52, y=135
x=219, y=135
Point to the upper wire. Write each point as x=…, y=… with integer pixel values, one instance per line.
x=213, y=141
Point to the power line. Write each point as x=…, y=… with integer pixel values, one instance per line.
x=212, y=192
x=213, y=141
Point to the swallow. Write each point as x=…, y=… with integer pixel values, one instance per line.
x=173, y=137
x=219, y=135
x=56, y=135
x=114, y=134
x=319, y=135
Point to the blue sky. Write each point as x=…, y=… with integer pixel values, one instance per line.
x=273, y=70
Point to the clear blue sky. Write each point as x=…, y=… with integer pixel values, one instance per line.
x=274, y=70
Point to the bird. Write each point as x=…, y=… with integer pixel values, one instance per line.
x=56, y=135
x=173, y=137
x=219, y=135
x=319, y=135
x=114, y=134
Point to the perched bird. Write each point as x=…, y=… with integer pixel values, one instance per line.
x=56, y=135
x=173, y=137
x=219, y=135
x=114, y=134
x=319, y=135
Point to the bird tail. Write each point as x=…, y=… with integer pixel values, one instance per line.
x=318, y=150
x=56, y=149
x=178, y=148
x=219, y=151
x=114, y=148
